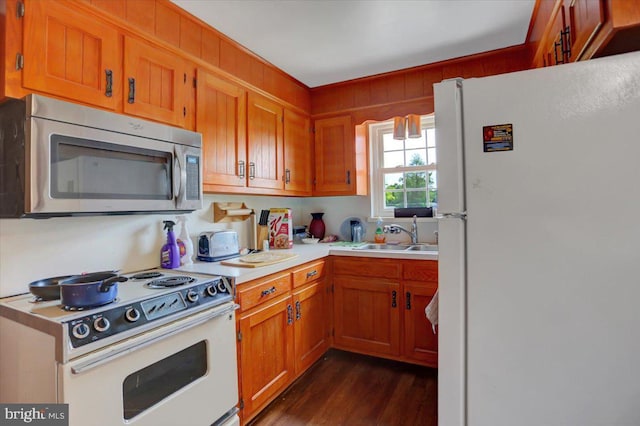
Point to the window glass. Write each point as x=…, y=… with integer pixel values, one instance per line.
x=403, y=171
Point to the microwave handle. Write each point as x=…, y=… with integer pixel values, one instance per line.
x=178, y=183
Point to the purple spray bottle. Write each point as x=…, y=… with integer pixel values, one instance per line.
x=170, y=254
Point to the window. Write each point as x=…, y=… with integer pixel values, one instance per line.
x=403, y=171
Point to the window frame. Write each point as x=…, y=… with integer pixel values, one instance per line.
x=376, y=144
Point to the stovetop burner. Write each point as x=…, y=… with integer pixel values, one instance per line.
x=175, y=281
x=84, y=308
x=147, y=275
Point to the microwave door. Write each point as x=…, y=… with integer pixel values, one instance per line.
x=187, y=178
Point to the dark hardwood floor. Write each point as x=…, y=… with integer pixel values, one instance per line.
x=350, y=389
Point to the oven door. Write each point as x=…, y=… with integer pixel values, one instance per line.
x=182, y=373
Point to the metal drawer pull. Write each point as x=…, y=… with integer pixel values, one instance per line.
x=312, y=273
x=268, y=292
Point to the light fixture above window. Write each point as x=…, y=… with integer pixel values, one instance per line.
x=407, y=127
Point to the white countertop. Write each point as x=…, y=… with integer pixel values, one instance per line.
x=306, y=253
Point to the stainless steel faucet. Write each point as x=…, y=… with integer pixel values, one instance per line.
x=396, y=229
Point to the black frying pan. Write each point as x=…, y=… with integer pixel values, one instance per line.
x=48, y=288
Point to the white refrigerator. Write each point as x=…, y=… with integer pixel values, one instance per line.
x=539, y=257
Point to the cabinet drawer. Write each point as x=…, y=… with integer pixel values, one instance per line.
x=308, y=273
x=257, y=292
x=367, y=267
x=422, y=270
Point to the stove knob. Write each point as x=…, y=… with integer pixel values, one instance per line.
x=211, y=290
x=80, y=331
x=221, y=287
x=132, y=315
x=192, y=296
x=101, y=324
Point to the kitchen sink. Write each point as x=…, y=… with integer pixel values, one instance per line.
x=423, y=247
x=399, y=247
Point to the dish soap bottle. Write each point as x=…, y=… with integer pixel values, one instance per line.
x=170, y=254
x=379, y=237
x=185, y=245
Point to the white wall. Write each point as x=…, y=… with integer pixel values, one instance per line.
x=32, y=249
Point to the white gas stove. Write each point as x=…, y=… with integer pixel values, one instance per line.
x=165, y=346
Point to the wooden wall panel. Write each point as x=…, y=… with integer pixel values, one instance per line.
x=167, y=24
x=141, y=14
x=408, y=91
x=190, y=37
x=210, y=49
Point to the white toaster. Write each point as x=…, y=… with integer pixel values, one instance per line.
x=218, y=245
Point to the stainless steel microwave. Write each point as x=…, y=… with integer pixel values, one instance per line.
x=64, y=159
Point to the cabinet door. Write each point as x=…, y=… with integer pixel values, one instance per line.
x=71, y=55
x=264, y=143
x=297, y=153
x=155, y=83
x=420, y=342
x=310, y=324
x=266, y=353
x=367, y=315
x=585, y=18
x=554, y=42
x=334, y=156
x=221, y=117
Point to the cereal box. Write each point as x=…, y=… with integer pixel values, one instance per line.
x=280, y=229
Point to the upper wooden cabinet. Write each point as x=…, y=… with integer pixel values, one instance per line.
x=336, y=155
x=71, y=55
x=157, y=83
x=221, y=117
x=585, y=18
x=297, y=153
x=265, y=148
x=583, y=29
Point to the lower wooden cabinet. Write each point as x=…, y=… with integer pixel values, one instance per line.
x=379, y=308
x=266, y=353
x=283, y=328
x=367, y=315
x=310, y=325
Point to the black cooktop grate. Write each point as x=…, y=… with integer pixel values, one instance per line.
x=170, y=282
x=147, y=275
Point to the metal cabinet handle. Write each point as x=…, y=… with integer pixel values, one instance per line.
x=287, y=176
x=408, y=301
x=298, y=310
x=268, y=291
x=348, y=177
x=132, y=90
x=289, y=315
x=252, y=170
x=108, y=75
x=394, y=299
x=241, y=169
x=312, y=273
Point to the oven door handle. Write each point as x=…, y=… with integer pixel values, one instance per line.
x=134, y=346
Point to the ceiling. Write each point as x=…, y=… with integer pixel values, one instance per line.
x=326, y=41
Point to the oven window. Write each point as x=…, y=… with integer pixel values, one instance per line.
x=88, y=169
x=148, y=386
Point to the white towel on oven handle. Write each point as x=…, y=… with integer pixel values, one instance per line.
x=431, y=311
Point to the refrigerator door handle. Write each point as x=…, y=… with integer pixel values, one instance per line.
x=452, y=215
